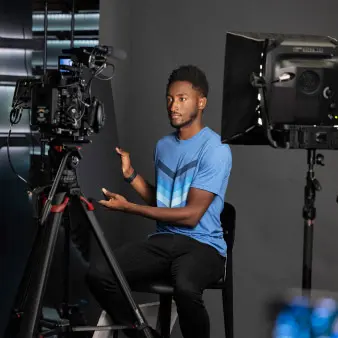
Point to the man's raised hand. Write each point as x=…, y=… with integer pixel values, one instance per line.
x=126, y=167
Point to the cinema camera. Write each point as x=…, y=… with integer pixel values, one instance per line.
x=61, y=104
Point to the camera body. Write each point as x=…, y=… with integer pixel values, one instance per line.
x=61, y=106
x=60, y=102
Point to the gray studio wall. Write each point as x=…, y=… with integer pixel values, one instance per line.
x=266, y=185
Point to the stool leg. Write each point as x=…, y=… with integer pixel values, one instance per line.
x=116, y=334
x=227, y=298
x=164, y=316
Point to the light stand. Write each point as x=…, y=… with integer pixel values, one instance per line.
x=309, y=215
x=312, y=184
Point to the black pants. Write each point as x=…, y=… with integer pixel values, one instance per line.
x=190, y=265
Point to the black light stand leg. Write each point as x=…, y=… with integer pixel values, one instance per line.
x=309, y=215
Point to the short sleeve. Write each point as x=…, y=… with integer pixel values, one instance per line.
x=214, y=170
x=155, y=154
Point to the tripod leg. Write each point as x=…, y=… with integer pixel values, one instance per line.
x=32, y=306
x=114, y=266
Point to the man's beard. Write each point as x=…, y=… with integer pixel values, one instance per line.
x=192, y=118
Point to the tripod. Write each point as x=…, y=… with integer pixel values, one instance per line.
x=64, y=195
x=309, y=215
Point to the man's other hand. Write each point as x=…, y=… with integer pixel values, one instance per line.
x=114, y=201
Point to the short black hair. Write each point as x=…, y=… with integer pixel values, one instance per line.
x=191, y=74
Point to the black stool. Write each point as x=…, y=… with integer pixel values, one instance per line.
x=165, y=290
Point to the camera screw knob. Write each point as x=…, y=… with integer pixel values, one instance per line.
x=75, y=161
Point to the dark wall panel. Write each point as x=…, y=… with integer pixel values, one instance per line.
x=17, y=229
x=99, y=168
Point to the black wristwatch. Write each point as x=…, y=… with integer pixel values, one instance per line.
x=131, y=177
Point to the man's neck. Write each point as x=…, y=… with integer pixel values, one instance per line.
x=187, y=132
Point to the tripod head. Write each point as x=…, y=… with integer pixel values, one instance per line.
x=63, y=160
x=56, y=154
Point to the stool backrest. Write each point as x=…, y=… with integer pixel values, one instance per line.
x=228, y=221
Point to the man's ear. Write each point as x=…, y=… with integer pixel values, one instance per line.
x=202, y=102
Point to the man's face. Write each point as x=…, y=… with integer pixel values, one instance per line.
x=184, y=104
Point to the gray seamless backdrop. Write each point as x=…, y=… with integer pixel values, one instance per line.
x=266, y=185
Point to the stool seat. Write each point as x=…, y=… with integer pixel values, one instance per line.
x=165, y=288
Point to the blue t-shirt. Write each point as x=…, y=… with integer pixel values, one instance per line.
x=201, y=162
